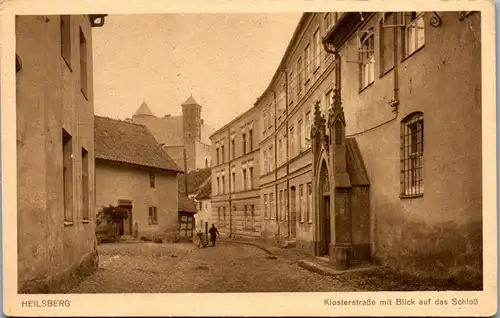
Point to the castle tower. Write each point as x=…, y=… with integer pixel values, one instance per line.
x=143, y=110
x=191, y=126
x=191, y=119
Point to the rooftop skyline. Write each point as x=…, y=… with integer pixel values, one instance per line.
x=224, y=61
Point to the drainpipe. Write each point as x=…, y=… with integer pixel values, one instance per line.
x=230, y=176
x=276, y=162
x=287, y=159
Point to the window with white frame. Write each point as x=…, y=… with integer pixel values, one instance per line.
x=367, y=57
x=412, y=151
x=386, y=41
x=271, y=160
x=291, y=89
x=414, y=32
x=317, y=49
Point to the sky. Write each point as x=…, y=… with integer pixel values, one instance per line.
x=225, y=61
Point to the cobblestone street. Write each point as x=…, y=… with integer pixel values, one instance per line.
x=227, y=267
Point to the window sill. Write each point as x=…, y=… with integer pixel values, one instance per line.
x=384, y=73
x=68, y=223
x=410, y=196
x=366, y=87
x=412, y=53
x=85, y=221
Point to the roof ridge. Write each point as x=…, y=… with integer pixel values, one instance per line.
x=121, y=121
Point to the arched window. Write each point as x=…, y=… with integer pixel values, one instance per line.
x=367, y=57
x=412, y=151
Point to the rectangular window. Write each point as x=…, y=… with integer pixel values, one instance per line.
x=250, y=178
x=299, y=135
x=85, y=185
x=223, y=153
x=250, y=139
x=301, y=204
x=309, y=202
x=280, y=210
x=153, y=216
x=219, y=221
x=367, y=57
x=233, y=182
x=218, y=185
x=291, y=90
x=245, y=217
x=83, y=65
x=252, y=217
x=317, y=50
x=299, y=76
x=266, y=207
x=244, y=137
x=67, y=173
x=224, y=216
x=414, y=32
x=217, y=155
x=233, y=149
x=265, y=161
x=244, y=181
x=412, y=151
x=280, y=153
x=66, y=39
x=264, y=120
x=386, y=42
x=271, y=155
x=152, y=180
x=308, y=130
x=285, y=209
x=271, y=203
x=307, y=61
x=223, y=184
x=292, y=141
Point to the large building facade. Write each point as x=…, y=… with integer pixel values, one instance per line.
x=235, y=176
x=55, y=151
x=341, y=141
x=185, y=138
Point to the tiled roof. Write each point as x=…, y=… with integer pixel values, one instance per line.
x=119, y=141
x=355, y=165
x=205, y=192
x=186, y=204
x=196, y=179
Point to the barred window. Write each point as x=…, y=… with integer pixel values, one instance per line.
x=412, y=150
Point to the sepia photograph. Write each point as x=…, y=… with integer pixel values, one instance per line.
x=251, y=153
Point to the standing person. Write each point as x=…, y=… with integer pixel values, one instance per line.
x=213, y=234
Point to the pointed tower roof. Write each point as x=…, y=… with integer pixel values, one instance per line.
x=190, y=101
x=144, y=110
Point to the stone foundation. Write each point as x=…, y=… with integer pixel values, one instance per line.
x=60, y=282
